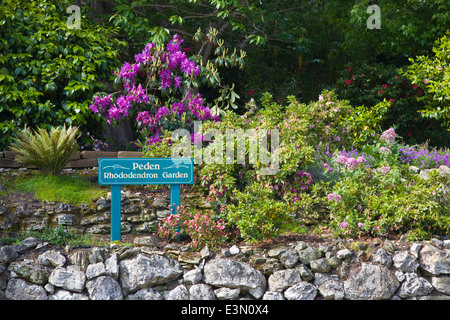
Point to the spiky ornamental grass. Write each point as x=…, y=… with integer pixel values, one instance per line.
x=48, y=151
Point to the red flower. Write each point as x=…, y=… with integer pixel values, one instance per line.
x=348, y=81
x=409, y=134
x=349, y=69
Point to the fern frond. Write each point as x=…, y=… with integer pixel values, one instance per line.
x=50, y=152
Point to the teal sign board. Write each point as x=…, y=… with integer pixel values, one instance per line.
x=126, y=171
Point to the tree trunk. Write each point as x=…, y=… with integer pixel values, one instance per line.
x=119, y=137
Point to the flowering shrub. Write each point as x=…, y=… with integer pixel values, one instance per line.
x=369, y=85
x=366, y=190
x=222, y=180
x=327, y=130
x=199, y=226
x=424, y=158
x=159, y=89
x=383, y=198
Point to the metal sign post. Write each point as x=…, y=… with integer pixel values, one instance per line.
x=128, y=171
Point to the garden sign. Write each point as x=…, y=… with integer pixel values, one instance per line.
x=127, y=171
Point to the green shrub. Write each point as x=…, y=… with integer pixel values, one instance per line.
x=433, y=74
x=256, y=214
x=48, y=72
x=321, y=176
x=384, y=198
x=385, y=94
x=49, y=151
x=62, y=236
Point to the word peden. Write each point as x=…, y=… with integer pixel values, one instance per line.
x=147, y=166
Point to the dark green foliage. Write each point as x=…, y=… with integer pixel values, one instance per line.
x=369, y=84
x=433, y=74
x=48, y=72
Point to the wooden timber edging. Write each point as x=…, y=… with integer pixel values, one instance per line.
x=81, y=159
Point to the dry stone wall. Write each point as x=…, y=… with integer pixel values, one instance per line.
x=140, y=213
x=300, y=270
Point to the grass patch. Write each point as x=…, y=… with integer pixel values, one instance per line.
x=67, y=189
x=62, y=236
x=293, y=228
x=59, y=236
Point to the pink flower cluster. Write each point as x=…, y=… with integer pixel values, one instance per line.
x=350, y=163
x=299, y=182
x=303, y=182
x=385, y=150
x=385, y=170
x=200, y=227
x=389, y=135
x=334, y=197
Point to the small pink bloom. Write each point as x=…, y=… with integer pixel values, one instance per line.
x=385, y=169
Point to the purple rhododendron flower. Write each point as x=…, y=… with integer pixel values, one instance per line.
x=178, y=108
x=129, y=71
x=164, y=67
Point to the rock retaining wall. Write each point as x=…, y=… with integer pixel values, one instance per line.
x=297, y=271
x=140, y=213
